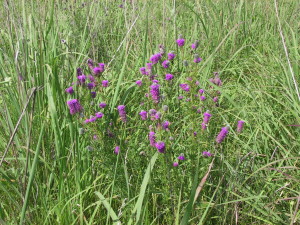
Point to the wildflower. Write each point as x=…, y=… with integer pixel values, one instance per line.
x=117, y=150
x=175, y=164
x=95, y=137
x=139, y=83
x=180, y=97
x=165, y=125
x=105, y=83
x=143, y=114
x=202, y=98
x=189, y=78
x=195, y=45
x=79, y=71
x=143, y=71
x=91, y=78
x=180, y=41
x=223, y=133
x=240, y=126
x=215, y=99
x=157, y=115
x=154, y=90
x=93, y=94
x=70, y=90
x=195, y=134
x=92, y=119
x=99, y=115
x=197, y=83
x=122, y=113
x=91, y=85
x=203, y=126
x=206, y=154
x=166, y=64
x=206, y=117
x=81, y=78
x=100, y=69
x=102, y=105
x=90, y=64
x=155, y=81
x=181, y=157
x=185, y=87
x=160, y=146
x=197, y=59
x=169, y=76
x=152, y=138
x=155, y=58
x=201, y=91
x=171, y=56
x=152, y=113
x=149, y=66
x=74, y=106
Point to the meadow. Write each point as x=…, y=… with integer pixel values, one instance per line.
x=149, y=112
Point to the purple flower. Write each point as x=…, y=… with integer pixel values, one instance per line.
x=152, y=138
x=154, y=91
x=99, y=115
x=157, y=115
x=102, y=105
x=180, y=97
x=180, y=42
x=202, y=98
x=122, y=113
x=215, y=99
x=91, y=85
x=169, y=76
x=70, y=90
x=197, y=83
x=165, y=125
x=74, y=106
x=81, y=78
x=160, y=146
x=105, y=83
x=223, y=133
x=175, y=164
x=155, y=58
x=206, y=117
x=185, y=87
x=195, y=134
x=181, y=157
x=117, y=150
x=152, y=113
x=95, y=137
x=197, y=59
x=189, y=78
x=206, y=154
x=79, y=71
x=155, y=81
x=143, y=114
x=93, y=94
x=201, y=91
x=203, y=126
x=195, y=45
x=240, y=126
x=143, y=71
x=139, y=83
x=149, y=66
x=166, y=64
x=171, y=56
x=91, y=78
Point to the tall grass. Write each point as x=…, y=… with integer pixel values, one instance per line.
x=48, y=176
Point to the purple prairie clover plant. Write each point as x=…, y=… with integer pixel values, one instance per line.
x=81, y=79
x=195, y=45
x=215, y=99
x=180, y=97
x=206, y=117
x=152, y=138
x=160, y=146
x=139, y=83
x=152, y=113
x=70, y=90
x=201, y=91
x=122, y=113
x=206, y=154
x=203, y=126
x=169, y=76
x=79, y=71
x=99, y=69
x=91, y=78
x=202, y=98
x=74, y=106
x=181, y=157
x=155, y=81
x=165, y=125
x=143, y=114
x=105, y=83
x=154, y=91
x=117, y=150
x=143, y=71
x=99, y=115
x=185, y=87
x=180, y=41
x=240, y=126
x=157, y=115
x=222, y=135
x=91, y=85
x=102, y=105
x=175, y=164
x=197, y=59
x=93, y=94
x=195, y=133
x=90, y=64
x=166, y=64
x=171, y=56
x=155, y=58
x=197, y=83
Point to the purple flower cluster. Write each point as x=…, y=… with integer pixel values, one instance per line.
x=222, y=135
x=154, y=91
x=122, y=113
x=74, y=106
x=185, y=87
x=155, y=58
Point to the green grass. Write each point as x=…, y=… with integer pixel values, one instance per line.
x=49, y=177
